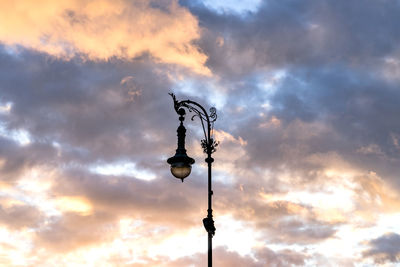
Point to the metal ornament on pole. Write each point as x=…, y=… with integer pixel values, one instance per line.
x=209, y=146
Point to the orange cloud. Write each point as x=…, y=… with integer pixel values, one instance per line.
x=102, y=29
x=75, y=204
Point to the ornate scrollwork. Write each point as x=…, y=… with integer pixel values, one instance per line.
x=213, y=114
x=208, y=144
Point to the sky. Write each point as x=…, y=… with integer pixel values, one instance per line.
x=307, y=169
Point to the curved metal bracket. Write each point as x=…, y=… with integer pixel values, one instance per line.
x=207, y=121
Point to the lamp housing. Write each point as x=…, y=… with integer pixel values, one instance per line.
x=181, y=163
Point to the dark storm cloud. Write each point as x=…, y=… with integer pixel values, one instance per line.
x=385, y=249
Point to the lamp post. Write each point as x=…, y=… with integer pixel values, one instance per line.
x=181, y=162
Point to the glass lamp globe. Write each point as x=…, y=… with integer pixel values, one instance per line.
x=181, y=170
x=181, y=165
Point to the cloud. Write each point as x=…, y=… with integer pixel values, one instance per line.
x=362, y=114
x=145, y=200
x=90, y=101
x=16, y=160
x=307, y=124
x=315, y=119
x=278, y=221
x=289, y=34
x=226, y=258
x=384, y=249
x=73, y=231
x=91, y=204
x=100, y=30
x=16, y=215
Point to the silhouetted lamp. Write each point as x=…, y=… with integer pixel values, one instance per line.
x=181, y=163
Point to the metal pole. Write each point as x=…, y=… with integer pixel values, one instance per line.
x=209, y=160
x=210, y=193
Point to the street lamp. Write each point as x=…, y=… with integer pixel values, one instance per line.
x=181, y=162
